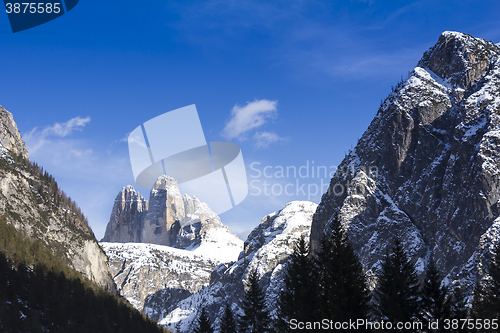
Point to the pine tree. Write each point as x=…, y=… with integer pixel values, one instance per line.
x=256, y=317
x=397, y=289
x=458, y=307
x=343, y=289
x=203, y=324
x=228, y=323
x=298, y=299
x=435, y=300
x=487, y=293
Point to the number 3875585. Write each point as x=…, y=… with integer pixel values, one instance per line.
x=33, y=8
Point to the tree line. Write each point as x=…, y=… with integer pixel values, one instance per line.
x=40, y=293
x=46, y=191
x=333, y=286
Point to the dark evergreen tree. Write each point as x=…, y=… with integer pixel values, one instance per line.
x=343, y=290
x=203, y=324
x=436, y=303
x=39, y=293
x=458, y=307
x=256, y=317
x=487, y=293
x=298, y=299
x=228, y=323
x=398, y=287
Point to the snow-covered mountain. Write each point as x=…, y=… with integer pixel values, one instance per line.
x=427, y=167
x=426, y=170
x=169, y=218
x=266, y=249
x=164, y=250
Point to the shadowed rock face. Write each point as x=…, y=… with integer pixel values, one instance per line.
x=126, y=217
x=460, y=58
x=426, y=169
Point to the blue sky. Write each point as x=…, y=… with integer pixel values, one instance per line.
x=314, y=72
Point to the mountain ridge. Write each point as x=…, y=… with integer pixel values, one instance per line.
x=435, y=147
x=31, y=201
x=266, y=250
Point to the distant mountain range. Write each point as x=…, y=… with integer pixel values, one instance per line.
x=190, y=242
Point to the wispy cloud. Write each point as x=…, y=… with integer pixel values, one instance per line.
x=62, y=130
x=264, y=139
x=249, y=117
x=37, y=138
x=90, y=172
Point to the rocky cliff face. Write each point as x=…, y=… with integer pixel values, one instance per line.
x=126, y=218
x=32, y=202
x=427, y=167
x=266, y=249
x=169, y=218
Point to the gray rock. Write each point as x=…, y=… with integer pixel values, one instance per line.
x=154, y=278
x=426, y=169
x=169, y=218
x=9, y=134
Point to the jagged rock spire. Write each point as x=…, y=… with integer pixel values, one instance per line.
x=169, y=218
x=10, y=137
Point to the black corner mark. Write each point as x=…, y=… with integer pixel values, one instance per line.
x=25, y=15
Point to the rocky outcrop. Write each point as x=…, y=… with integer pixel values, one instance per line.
x=266, y=249
x=31, y=201
x=460, y=58
x=169, y=218
x=427, y=167
x=126, y=218
x=10, y=136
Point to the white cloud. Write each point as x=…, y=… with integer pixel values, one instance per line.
x=75, y=124
x=248, y=117
x=36, y=139
x=264, y=139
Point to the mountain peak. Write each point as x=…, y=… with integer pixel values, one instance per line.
x=165, y=182
x=460, y=58
x=434, y=146
x=168, y=218
x=10, y=137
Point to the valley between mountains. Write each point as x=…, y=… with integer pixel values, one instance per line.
x=425, y=172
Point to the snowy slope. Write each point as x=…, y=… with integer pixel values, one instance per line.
x=143, y=272
x=266, y=249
